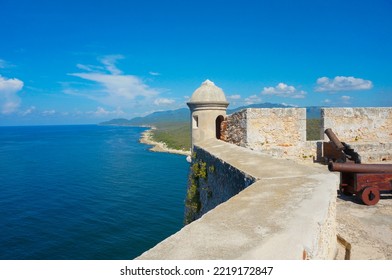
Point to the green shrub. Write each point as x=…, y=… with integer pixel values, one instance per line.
x=198, y=171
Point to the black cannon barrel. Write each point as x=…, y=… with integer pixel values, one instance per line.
x=334, y=139
x=360, y=168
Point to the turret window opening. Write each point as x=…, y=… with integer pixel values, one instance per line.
x=218, y=126
x=195, y=122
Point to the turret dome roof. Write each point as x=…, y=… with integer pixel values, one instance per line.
x=208, y=92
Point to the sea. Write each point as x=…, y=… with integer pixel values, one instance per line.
x=86, y=192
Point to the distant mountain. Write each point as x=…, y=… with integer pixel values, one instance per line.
x=182, y=115
x=117, y=122
x=179, y=115
x=260, y=105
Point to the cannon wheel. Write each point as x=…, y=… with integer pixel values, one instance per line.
x=370, y=195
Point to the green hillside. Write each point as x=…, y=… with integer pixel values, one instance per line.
x=313, y=129
x=177, y=135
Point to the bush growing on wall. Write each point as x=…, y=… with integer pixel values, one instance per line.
x=193, y=204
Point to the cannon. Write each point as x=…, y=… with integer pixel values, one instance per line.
x=365, y=181
x=339, y=151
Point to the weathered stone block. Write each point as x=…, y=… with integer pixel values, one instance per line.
x=358, y=124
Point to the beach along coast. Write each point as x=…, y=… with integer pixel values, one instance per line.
x=147, y=138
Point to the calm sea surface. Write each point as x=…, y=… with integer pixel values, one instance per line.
x=86, y=192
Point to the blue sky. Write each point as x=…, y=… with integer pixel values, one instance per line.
x=74, y=62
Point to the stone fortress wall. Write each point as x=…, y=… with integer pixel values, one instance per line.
x=214, y=181
x=359, y=124
x=247, y=197
x=367, y=130
x=281, y=132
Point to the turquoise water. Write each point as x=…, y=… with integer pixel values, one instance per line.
x=86, y=192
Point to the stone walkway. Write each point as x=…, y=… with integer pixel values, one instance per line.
x=367, y=228
x=289, y=213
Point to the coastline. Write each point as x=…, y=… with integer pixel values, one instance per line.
x=146, y=138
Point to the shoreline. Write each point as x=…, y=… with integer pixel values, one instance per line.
x=161, y=147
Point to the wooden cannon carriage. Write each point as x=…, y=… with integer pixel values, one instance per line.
x=365, y=181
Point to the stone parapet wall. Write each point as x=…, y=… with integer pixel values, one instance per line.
x=373, y=152
x=256, y=127
x=281, y=132
x=324, y=242
x=351, y=125
x=278, y=131
x=283, y=127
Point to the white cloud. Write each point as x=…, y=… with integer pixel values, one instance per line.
x=327, y=101
x=29, y=111
x=10, y=85
x=88, y=67
x=49, y=112
x=100, y=112
x=284, y=90
x=252, y=99
x=346, y=99
x=5, y=64
x=154, y=73
x=290, y=105
x=126, y=86
x=163, y=101
x=115, y=88
x=342, y=83
x=110, y=62
x=9, y=100
x=234, y=97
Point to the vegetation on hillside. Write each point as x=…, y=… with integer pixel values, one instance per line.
x=176, y=135
x=313, y=129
